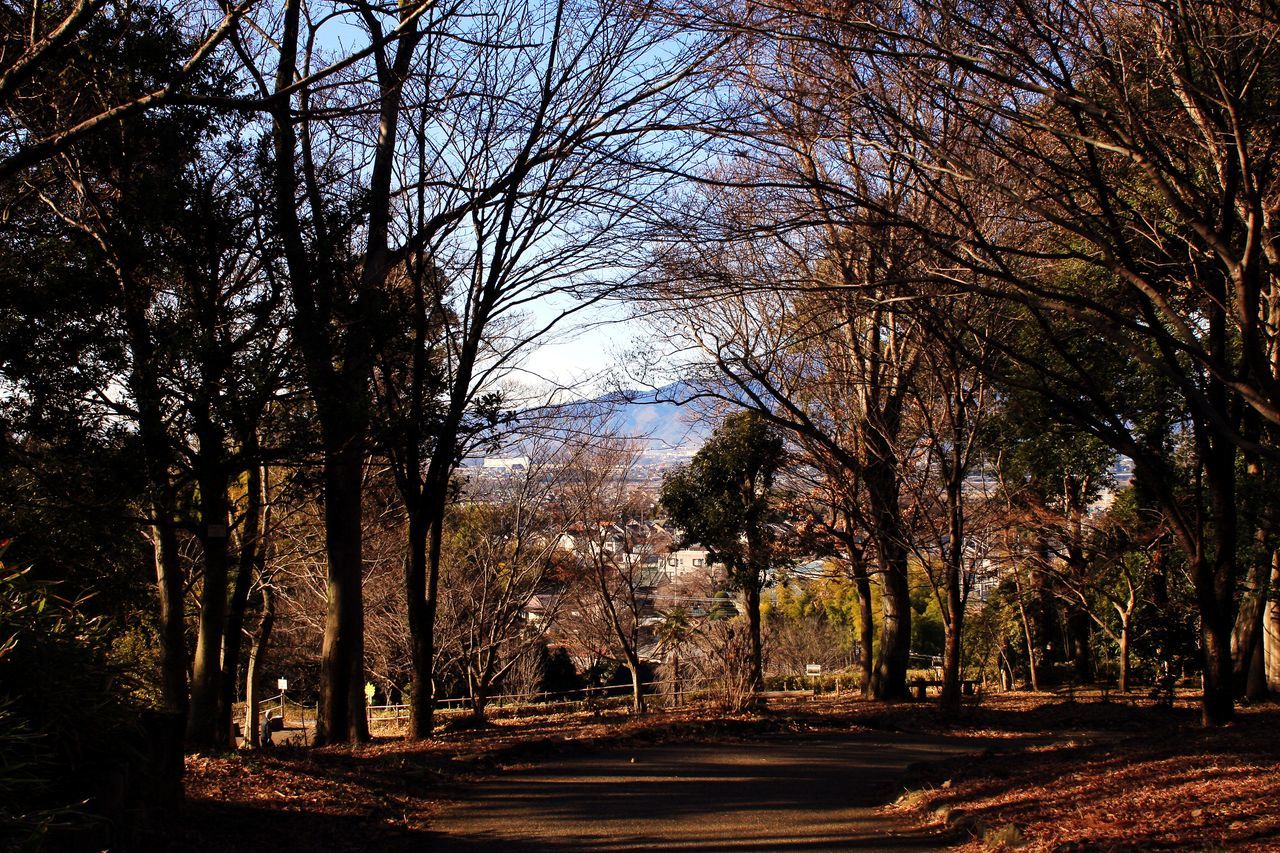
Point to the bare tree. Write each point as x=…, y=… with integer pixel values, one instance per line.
x=826, y=356
x=501, y=544
x=340, y=142
x=533, y=144
x=613, y=568
x=953, y=400
x=1134, y=203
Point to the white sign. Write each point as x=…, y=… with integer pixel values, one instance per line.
x=282, y=683
x=813, y=669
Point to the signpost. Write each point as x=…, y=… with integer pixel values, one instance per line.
x=283, y=684
x=813, y=670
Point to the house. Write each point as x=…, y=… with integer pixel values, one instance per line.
x=541, y=606
x=689, y=563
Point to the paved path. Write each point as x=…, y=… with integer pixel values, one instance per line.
x=803, y=793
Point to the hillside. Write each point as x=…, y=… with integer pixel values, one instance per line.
x=667, y=428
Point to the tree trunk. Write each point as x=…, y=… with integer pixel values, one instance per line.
x=1214, y=578
x=427, y=548
x=1079, y=624
x=1126, y=621
x=953, y=615
x=953, y=624
x=421, y=698
x=950, y=701
x=145, y=385
x=203, y=730
x=1041, y=607
x=753, y=625
x=1256, y=683
x=341, y=717
x=338, y=368
x=675, y=677
x=1032, y=672
x=1271, y=633
x=866, y=628
x=435, y=552
x=252, y=557
x=637, y=690
x=889, y=680
x=479, y=699
x=1214, y=582
x=866, y=632
x=1079, y=630
x=173, y=635
x=1217, y=706
x=258, y=654
x=1247, y=632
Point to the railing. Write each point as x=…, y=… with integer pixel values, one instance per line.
x=544, y=700
x=300, y=717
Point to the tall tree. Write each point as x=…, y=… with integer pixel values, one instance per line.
x=1154, y=181
x=197, y=316
x=528, y=167
x=46, y=49
x=949, y=516
x=339, y=261
x=724, y=499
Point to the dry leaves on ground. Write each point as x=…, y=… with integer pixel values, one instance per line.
x=1168, y=785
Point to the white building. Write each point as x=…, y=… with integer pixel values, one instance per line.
x=689, y=563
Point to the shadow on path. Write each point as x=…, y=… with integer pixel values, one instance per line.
x=803, y=793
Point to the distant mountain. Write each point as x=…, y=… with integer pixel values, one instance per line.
x=667, y=428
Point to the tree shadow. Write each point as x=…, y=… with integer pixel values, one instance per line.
x=1162, y=781
x=821, y=794
x=219, y=827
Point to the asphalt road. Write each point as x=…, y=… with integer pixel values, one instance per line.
x=801, y=793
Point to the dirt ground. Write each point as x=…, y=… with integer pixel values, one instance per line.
x=779, y=793
x=1053, y=771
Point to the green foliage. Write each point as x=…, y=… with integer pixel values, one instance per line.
x=831, y=598
x=811, y=621
x=990, y=627
x=927, y=633
x=1058, y=461
x=64, y=715
x=723, y=498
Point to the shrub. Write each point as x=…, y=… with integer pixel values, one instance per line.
x=67, y=731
